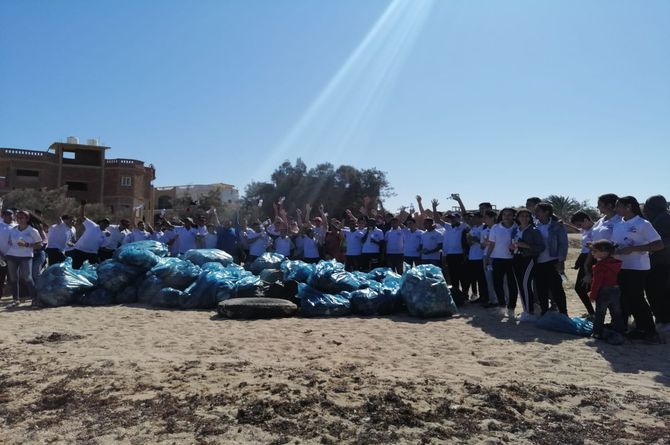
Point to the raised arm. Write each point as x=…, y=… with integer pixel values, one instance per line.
x=436, y=216
x=420, y=203
x=457, y=198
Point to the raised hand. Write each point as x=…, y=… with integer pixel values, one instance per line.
x=418, y=198
x=435, y=203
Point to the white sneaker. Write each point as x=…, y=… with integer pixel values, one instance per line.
x=527, y=317
x=509, y=313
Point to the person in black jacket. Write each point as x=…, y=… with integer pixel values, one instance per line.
x=657, y=286
x=527, y=243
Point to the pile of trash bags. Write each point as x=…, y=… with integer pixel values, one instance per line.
x=141, y=272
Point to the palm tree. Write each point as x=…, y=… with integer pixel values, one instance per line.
x=564, y=206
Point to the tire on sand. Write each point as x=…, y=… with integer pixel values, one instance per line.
x=255, y=308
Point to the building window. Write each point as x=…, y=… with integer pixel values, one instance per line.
x=29, y=173
x=77, y=186
x=126, y=181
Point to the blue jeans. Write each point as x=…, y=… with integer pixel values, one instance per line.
x=609, y=298
x=20, y=276
x=39, y=258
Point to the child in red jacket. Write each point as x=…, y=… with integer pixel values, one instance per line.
x=605, y=289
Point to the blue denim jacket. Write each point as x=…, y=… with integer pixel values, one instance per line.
x=557, y=241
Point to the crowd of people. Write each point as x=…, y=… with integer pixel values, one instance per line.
x=493, y=257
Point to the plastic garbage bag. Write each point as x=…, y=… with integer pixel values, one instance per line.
x=235, y=272
x=96, y=297
x=316, y=304
x=202, y=256
x=129, y=293
x=296, y=270
x=149, y=289
x=251, y=287
x=89, y=271
x=207, y=291
x=425, y=292
x=369, y=301
x=557, y=322
x=175, y=272
x=269, y=260
x=212, y=267
x=330, y=277
x=271, y=275
x=141, y=254
x=60, y=284
x=379, y=273
x=168, y=297
x=115, y=276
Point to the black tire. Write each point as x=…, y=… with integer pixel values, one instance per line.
x=255, y=308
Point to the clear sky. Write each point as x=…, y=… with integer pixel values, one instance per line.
x=497, y=100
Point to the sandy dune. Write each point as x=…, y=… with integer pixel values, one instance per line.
x=138, y=376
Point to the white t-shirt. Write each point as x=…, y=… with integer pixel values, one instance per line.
x=544, y=257
x=453, y=238
x=412, y=242
x=502, y=237
x=634, y=232
x=283, y=246
x=476, y=252
x=115, y=238
x=395, y=241
x=430, y=239
x=257, y=241
x=374, y=234
x=353, y=238
x=169, y=236
x=4, y=236
x=186, y=239
x=310, y=247
x=602, y=229
x=136, y=235
x=587, y=238
x=21, y=241
x=59, y=235
x=210, y=240
x=92, y=238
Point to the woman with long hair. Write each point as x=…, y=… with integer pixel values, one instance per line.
x=527, y=244
x=22, y=242
x=499, y=256
x=635, y=237
x=39, y=254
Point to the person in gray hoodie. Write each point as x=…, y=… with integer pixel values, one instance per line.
x=657, y=286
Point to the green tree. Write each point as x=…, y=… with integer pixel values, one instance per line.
x=566, y=206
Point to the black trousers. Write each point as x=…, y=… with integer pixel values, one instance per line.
x=369, y=261
x=524, y=271
x=352, y=263
x=412, y=260
x=105, y=254
x=548, y=280
x=631, y=283
x=394, y=261
x=78, y=258
x=504, y=268
x=437, y=263
x=3, y=278
x=54, y=256
x=477, y=278
x=657, y=288
x=609, y=298
x=581, y=288
x=456, y=268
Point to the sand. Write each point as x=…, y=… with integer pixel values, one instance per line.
x=128, y=374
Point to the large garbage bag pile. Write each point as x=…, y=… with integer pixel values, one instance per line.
x=60, y=284
x=425, y=292
x=203, y=256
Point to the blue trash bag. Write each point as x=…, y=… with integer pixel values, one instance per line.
x=425, y=292
x=296, y=271
x=269, y=260
x=89, y=271
x=128, y=295
x=149, y=289
x=271, y=275
x=142, y=254
x=168, y=297
x=380, y=301
x=316, y=304
x=251, y=287
x=379, y=273
x=330, y=277
x=207, y=291
x=175, y=272
x=557, y=322
x=60, y=284
x=202, y=256
x=236, y=272
x=212, y=267
x=96, y=297
x=115, y=276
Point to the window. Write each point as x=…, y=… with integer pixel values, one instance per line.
x=126, y=181
x=69, y=155
x=77, y=186
x=29, y=173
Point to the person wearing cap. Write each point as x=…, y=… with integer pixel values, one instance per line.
x=657, y=285
x=87, y=246
x=22, y=242
x=395, y=246
x=6, y=224
x=411, y=243
x=114, y=236
x=372, y=240
x=58, y=238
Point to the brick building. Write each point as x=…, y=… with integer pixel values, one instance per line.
x=119, y=184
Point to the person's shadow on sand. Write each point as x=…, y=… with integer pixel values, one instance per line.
x=634, y=358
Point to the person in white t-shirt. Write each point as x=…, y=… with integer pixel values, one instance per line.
x=139, y=233
x=634, y=238
x=499, y=256
x=171, y=238
x=257, y=240
x=395, y=246
x=58, y=238
x=585, y=225
x=87, y=246
x=474, y=269
x=283, y=244
x=353, y=234
x=22, y=241
x=372, y=240
x=114, y=236
x=411, y=243
x=431, y=243
x=6, y=224
x=186, y=236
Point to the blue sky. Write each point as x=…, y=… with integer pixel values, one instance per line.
x=497, y=100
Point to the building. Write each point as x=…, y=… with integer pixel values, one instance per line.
x=166, y=197
x=119, y=184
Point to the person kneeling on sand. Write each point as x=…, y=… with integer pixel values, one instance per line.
x=605, y=291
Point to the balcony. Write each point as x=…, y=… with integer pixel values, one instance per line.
x=32, y=155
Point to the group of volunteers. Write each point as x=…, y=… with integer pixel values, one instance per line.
x=493, y=257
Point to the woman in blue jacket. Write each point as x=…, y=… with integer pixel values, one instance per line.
x=551, y=261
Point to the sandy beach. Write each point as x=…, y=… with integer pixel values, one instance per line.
x=128, y=374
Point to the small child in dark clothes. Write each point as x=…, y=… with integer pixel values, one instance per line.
x=604, y=288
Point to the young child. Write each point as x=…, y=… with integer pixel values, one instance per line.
x=584, y=223
x=604, y=288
